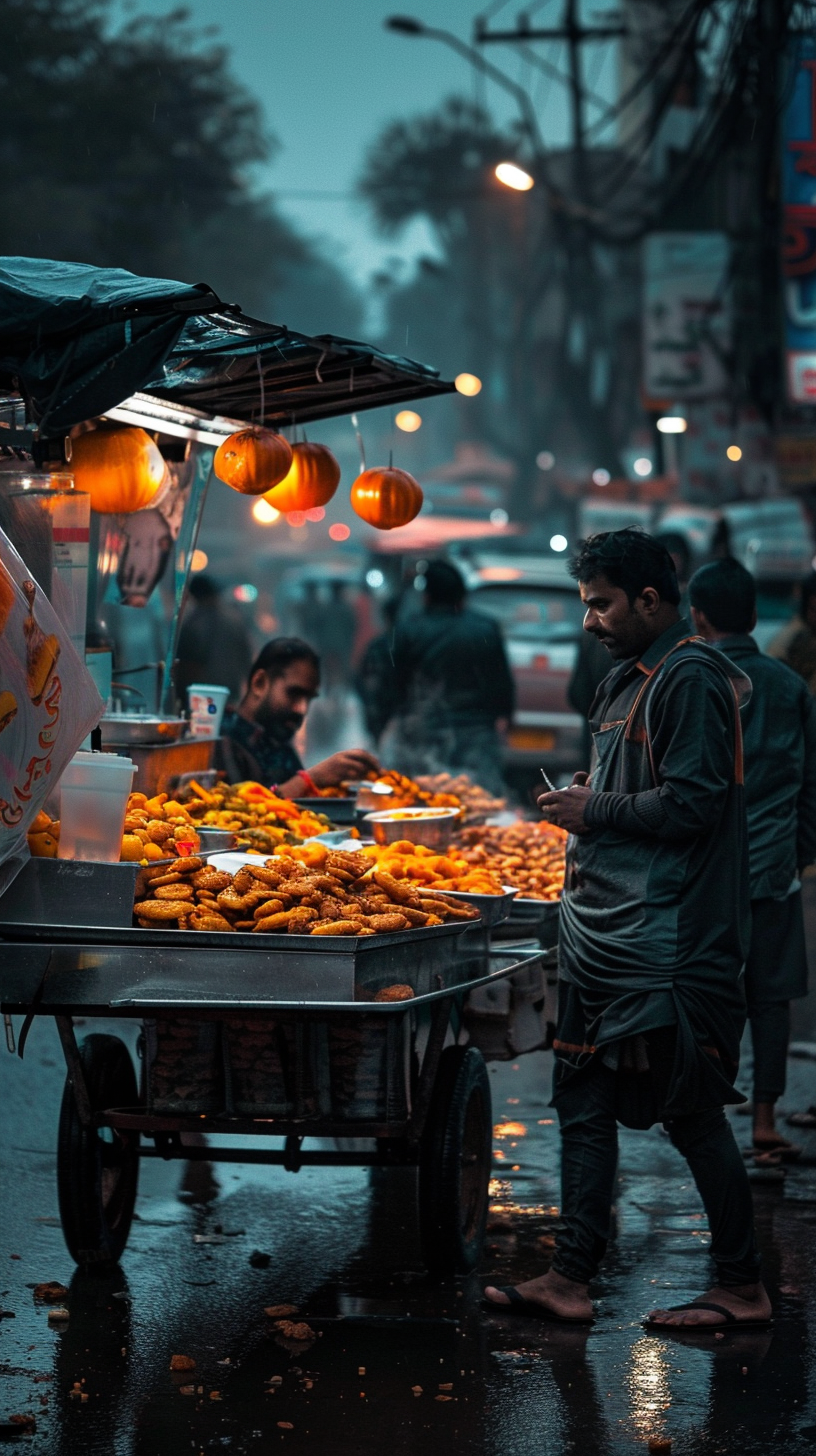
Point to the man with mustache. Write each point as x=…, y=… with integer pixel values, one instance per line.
x=654, y=930
x=257, y=739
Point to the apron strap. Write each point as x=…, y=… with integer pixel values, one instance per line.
x=630, y=732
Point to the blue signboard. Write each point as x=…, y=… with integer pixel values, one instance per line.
x=799, y=219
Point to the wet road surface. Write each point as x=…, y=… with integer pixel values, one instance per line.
x=396, y=1364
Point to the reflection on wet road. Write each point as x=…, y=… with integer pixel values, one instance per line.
x=389, y=1362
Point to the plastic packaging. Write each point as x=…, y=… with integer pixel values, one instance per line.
x=94, y=793
x=48, y=703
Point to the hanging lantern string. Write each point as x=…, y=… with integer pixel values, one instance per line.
x=261, y=378
x=360, y=444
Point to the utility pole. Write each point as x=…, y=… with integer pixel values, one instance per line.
x=586, y=324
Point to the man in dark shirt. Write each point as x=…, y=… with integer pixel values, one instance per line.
x=779, y=731
x=654, y=929
x=213, y=645
x=256, y=740
x=454, y=689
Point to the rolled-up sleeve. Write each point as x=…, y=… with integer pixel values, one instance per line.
x=692, y=726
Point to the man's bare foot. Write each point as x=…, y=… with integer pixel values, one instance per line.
x=749, y=1304
x=552, y=1291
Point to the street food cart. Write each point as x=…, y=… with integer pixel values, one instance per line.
x=275, y=1036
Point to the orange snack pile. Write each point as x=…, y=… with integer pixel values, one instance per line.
x=528, y=855
x=303, y=890
x=477, y=803
x=407, y=793
x=253, y=812
x=414, y=862
x=155, y=829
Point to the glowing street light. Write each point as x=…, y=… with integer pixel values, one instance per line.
x=558, y=543
x=513, y=176
x=408, y=420
x=672, y=425
x=545, y=460
x=199, y=560
x=601, y=477
x=264, y=513
x=733, y=452
x=642, y=466
x=468, y=384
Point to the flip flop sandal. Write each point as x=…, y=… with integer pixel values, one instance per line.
x=786, y=1154
x=802, y=1119
x=730, y=1320
x=529, y=1308
x=767, y=1173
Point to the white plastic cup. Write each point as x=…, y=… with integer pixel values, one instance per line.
x=206, y=702
x=94, y=791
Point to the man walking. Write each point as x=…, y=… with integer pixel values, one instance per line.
x=779, y=732
x=654, y=931
x=454, y=689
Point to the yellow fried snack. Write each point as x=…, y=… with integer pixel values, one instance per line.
x=174, y=891
x=336, y=927
x=162, y=909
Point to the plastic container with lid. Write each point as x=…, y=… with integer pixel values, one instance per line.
x=94, y=791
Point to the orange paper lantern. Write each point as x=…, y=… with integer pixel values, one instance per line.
x=386, y=498
x=121, y=468
x=313, y=477
x=252, y=461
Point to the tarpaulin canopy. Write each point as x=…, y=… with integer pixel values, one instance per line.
x=77, y=340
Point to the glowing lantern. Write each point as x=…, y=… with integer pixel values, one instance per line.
x=313, y=477
x=252, y=461
x=120, y=468
x=386, y=498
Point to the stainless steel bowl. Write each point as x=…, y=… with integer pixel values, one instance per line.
x=431, y=827
x=213, y=840
x=492, y=908
x=122, y=729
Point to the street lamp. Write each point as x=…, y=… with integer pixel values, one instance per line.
x=408, y=25
x=672, y=425
x=511, y=175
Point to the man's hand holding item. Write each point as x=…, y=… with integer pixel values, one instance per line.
x=350, y=765
x=565, y=807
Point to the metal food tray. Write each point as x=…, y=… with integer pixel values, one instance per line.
x=339, y=811
x=161, y=967
x=524, y=911
x=493, y=909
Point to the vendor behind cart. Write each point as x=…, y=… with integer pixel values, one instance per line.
x=257, y=739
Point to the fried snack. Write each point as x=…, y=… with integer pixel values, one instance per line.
x=254, y=812
x=160, y=910
x=175, y=891
x=337, y=927
x=477, y=803
x=384, y=923
x=414, y=866
x=395, y=993
x=530, y=856
x=406, y=793
x=297, y=893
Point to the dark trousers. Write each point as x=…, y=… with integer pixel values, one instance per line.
x=770, y=1030
x=589, y=1156
x=776, y=973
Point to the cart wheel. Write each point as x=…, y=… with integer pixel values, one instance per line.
x=454, y=1163
x=97, y=1167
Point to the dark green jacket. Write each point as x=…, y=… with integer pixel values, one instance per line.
x=655, y=916
x=779, y=734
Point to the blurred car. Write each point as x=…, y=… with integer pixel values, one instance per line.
x=537, y=604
